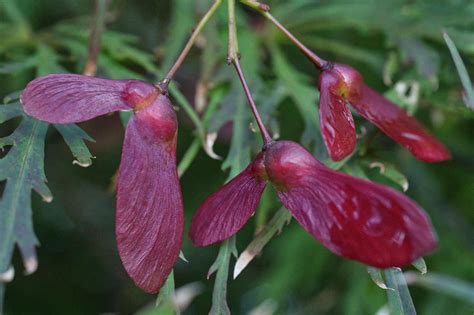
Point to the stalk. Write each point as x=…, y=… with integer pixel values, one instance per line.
x=233, y=58
x=196, y=32
x=101, y=6
x=264, y=9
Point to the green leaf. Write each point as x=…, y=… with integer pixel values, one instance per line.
x=13, y=12
x=390, y=68
x=2, y=296
x=74, y=137
x=23, y=169
x=445, y=284
x=178, y=31
x=221, y=266
x=116, y=70
x=274, y=227
x=235, y=106
x=426, y=59
x=461, y=68
x=125, y=117
x=271, y=96
x=11, y=97
x=420, y=265
x=399, y=299
x=13, y=67
x=345, y=50
x=303, y=94
x=377, y=278
x=391, y=172
x=195, y=146
x=337, y=165
x=355, y=170
x=239, y=153
x=44, y=59
x=120, y=47
x=166, y=296
x=10, y=111
x=188, y=108
x=47, y=61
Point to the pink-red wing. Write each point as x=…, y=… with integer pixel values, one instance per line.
x=352, y=217
x=149, y=217
x=396, y=124
x=337, y=124
x=360, y=220
x=226, y=211
x=72, y=98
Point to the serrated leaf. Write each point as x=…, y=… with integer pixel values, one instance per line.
x=23, y=169
x=221, y=266
x=74, y=137
x=399, y=299
x=10, y=111
x=274, y=227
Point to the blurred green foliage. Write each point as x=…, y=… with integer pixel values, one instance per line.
x=394, y=43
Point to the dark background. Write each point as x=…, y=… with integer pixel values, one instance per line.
x=80, y=271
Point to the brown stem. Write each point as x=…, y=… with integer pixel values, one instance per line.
x=90, y=68
x=319, y=62
x=267, y=139
x=265, y=11
x=233, y=57
x=169, y=76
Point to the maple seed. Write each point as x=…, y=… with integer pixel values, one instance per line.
x=149, y=216
x=340, y=84
x=353, y=218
